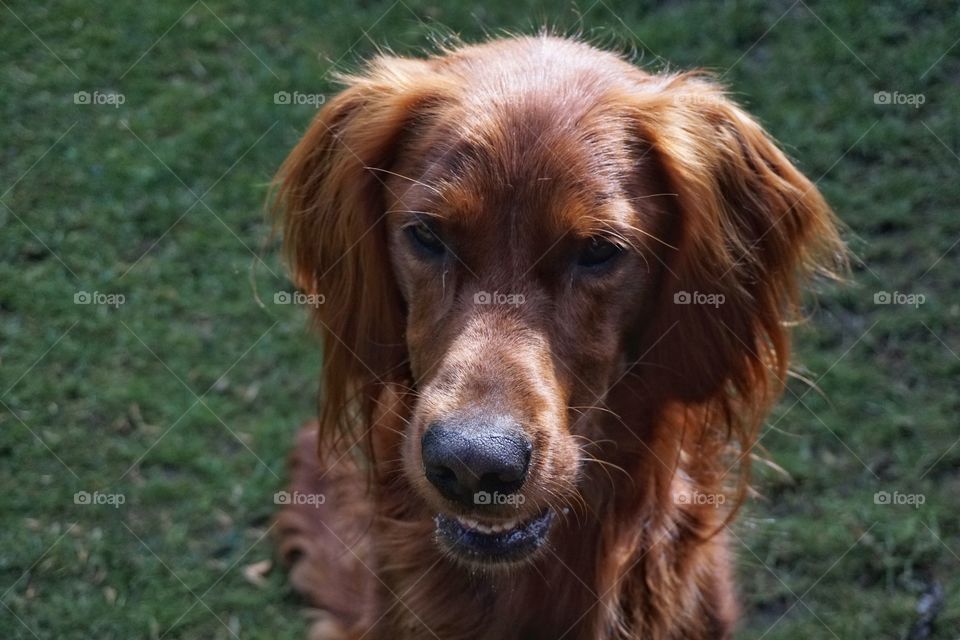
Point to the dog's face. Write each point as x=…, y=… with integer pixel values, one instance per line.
x=507, y=230
x=525, y=255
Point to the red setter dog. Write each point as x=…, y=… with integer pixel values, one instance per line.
x=556, y=298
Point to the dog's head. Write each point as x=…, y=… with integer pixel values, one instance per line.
x=548, y=248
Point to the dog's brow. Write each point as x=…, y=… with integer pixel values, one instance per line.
x=459, y=157
x=599, y=212
x=415, y=213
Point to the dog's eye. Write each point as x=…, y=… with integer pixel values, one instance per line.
x=598, y=251
x=426, y=238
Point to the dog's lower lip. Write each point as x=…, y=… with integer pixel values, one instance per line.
x=494, y=542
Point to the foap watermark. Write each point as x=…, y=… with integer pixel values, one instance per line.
x=99, y=298
x=898, y=297
x=896, y=98
x=298, y=297
x=698, y=298
x=298, y=498
x=296, y=97
x=700, y=498
x=495, y=297
x=915, y=500
x=496, y=498
x=99, y=98
x=97, y=499
x=697, y=98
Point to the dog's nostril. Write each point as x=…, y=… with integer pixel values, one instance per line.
x=514, y=471
x=439, y=473
x=503, y=481
x=444, y=473
x=465, y=456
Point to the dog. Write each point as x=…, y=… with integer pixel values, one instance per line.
x=557, y=295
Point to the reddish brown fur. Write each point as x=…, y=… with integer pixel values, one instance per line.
x=520, y=149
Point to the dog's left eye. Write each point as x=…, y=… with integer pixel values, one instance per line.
x=598, y=251
x=426, y=238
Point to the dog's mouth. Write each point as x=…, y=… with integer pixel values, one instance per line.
x=492, y=543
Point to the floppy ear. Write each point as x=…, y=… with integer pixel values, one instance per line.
x=751, y=229
x=330, y=203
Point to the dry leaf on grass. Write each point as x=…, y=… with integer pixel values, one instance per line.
x=256, y=573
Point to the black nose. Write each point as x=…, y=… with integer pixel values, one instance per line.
x=465, y=457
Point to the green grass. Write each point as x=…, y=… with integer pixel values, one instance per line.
x=105, y=199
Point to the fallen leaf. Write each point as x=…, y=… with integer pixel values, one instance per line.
x=255, y=573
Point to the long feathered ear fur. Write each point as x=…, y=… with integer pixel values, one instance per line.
x=751, y=231
x=330, y=204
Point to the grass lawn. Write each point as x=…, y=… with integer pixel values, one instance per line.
x=136, y=143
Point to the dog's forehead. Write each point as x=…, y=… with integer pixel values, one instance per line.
x=541, y=144
x=537, y=163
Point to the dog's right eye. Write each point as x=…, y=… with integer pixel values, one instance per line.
x=426, y=239
x=597, y=252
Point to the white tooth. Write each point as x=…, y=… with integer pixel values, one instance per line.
x=509, y=525
x=497, y=528
x=483, y=529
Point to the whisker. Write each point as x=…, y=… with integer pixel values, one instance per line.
x=414, y=181
x=583, y=409
x=606, y=463
x=654, y=238
x=653, y=195
x=595, y=442
x=432, y=214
